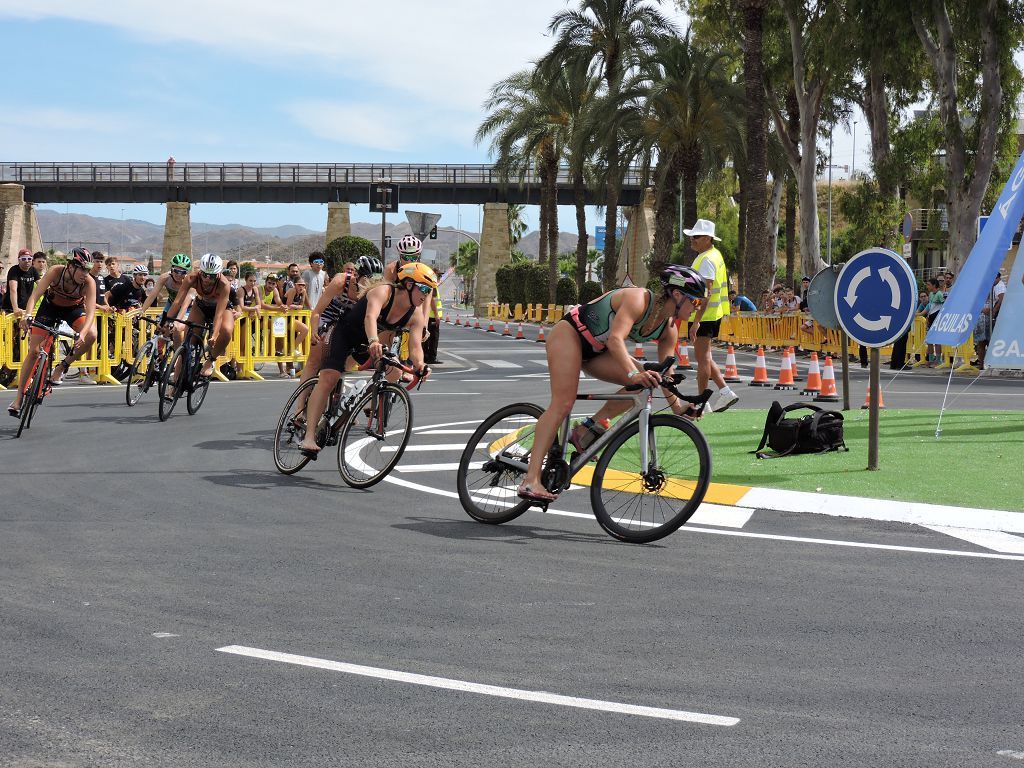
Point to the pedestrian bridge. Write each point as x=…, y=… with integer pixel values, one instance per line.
x=288, y=183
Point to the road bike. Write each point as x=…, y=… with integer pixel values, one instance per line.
x=38, y=384
x=184, y=372
x=371, y=424
x=651, y=474
x=150, y=363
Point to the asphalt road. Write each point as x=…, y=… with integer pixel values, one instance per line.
x=167, y=598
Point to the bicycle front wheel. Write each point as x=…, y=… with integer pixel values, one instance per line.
x=291, y=428
x=174, y=381
x=494, y=462
x=141, y=376
x=642, y=504
x=33, y=393
x=375, y=434
x=199, y=386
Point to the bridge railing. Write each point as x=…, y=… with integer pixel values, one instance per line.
x=271, y=173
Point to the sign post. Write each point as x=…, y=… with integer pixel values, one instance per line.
x=875, y=302
x=383, y=198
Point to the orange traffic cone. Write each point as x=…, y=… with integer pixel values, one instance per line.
x=867, y=399
x=828, y=384
x=540, y=335
x=458, y=320
x=638, y=353
x=683, y=353
x=490, y=327
x=792, y=364
x=760, y=371
x=813, y=377
x=519, y=333
x=477, y=325
x=507, y=331
x=732, y=373
x=785, y=374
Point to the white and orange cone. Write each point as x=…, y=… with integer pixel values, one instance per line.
x=519, y=333
x=828, y=393
x=813, y=386
x=792, y=365
x=540, y=335
x=638, y=353
x=683, y=353
x=507, y=331
x=867, y=399
x=785, y=374
x=760, y=371
x=732, y=373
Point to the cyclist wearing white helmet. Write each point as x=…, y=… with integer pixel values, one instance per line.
x=213, y=297
x=592, y=337
x=410, y=249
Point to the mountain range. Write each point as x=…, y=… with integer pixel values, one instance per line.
x=135, y=239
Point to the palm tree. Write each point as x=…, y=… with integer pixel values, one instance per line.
x=611, y=35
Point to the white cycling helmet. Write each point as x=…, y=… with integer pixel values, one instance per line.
x=211, y=264
x=409, y=247
x=140, y=269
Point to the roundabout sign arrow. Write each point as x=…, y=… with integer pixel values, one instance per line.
x=875, y=298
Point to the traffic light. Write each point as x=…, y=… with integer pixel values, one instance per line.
x=433, y=233
x=387, y=241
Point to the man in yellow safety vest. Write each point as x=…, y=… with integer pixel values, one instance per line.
x=705, y=321
x=434, y=329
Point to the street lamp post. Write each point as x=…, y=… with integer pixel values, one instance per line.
x=122, y=233
x=853, y=160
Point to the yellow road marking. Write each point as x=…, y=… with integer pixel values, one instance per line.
x=718, y=493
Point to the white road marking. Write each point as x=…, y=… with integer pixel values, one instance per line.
x=1011, y=754
x=499, y=364
x=456, y=431
x=997, y=541
x=436, y=447
x=162, y=635
x=519, y=694
x=502, y=351
x=435, y=467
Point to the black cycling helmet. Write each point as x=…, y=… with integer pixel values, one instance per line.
x=685, y=279
x=368, y=266
x=81, y=257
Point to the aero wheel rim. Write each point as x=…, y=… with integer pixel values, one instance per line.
x=291, y=429
x=372, y=442
x=492, y=485
x=639, y=502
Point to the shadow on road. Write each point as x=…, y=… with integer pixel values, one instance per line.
x=261, y=439
x=469, y=530
x=261, y=480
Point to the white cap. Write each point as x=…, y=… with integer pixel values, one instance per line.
x=702, y=227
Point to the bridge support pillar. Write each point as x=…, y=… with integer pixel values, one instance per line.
x=177, y=233
x=338, y=222
x=19, y=227
x=638, y=241
x=494, y=253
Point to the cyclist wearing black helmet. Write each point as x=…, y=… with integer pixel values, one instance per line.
x=592, y=337
x=68, y=295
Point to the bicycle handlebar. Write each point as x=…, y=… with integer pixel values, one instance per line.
x=660, y=368
x=199, y=326
x=54, y=330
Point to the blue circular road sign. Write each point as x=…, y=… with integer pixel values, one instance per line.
x=876, y=297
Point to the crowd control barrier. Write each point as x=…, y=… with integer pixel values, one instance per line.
x=273, y=336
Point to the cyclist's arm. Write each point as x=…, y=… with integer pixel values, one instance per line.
x=90, y=303
x=160, y=283
x=40, y=288
x=374, y=304
x=183, y=292
x=417, y=326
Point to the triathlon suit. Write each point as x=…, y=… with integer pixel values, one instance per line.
x=593, y=322
x=207, y=302
x=249, y=299
x=71, y=308
x=349, y=336
x=338, y=306
x=172, y=293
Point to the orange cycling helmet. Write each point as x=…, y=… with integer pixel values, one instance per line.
x=418, y=273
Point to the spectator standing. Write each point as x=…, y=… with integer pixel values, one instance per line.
x=129, y=293
x=19, y=282
x=986, y=321
x=114, y=275
x=705, y=321
x=741, y=303
x=291, y=276
x=805, y=286
x=231, y=272
x=315, y=278
x=936, y=298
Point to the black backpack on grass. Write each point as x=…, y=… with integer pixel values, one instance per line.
x=817, y=432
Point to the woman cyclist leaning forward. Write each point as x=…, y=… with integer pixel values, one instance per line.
x=68, y=294
x=212, y=299
x=172, y=282
x=383, y=308
x=592, y=337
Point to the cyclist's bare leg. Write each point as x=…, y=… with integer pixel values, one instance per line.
x=311, y=368
x=225, y=329
x=565, y=355
x=34, y=340
x=317, y=404
x=86, y=337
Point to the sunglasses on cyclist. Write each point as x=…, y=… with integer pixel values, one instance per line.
x=424, y=289
x=179, y=271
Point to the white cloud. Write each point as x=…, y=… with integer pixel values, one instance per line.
x=449, y=52
x=364, y=125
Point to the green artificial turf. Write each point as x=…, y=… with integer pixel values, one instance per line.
x=977, y=462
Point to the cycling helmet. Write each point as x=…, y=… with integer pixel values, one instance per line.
x=418, y=273
x=409, y=248
x=181, y=261
x=368, y=266
x=140, y=269
x=211, y=264
x=685, y=279
x=81, y=257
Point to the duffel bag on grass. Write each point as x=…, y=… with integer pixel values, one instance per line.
x=817, y=432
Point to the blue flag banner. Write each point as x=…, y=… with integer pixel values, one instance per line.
x=1006, y=349
x=959, y=314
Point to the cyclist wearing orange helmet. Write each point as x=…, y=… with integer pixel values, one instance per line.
x=382, y=308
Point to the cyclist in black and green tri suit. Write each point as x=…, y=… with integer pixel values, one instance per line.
x=171, y=281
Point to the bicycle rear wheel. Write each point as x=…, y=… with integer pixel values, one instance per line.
x=291, y=428
x=141, y=375
x=487, y=485
x=643, y=504
x=198, y=385
x=33, y=393
x=375, y=434
x=174, y=380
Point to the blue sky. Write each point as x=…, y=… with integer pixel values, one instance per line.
x=266, y=81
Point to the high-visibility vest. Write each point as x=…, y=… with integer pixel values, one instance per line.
x=436, y=309
x=718, y=297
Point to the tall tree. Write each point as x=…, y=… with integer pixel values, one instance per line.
x=610, y=35
x=969, y=45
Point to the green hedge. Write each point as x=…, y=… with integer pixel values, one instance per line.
x=565, y=291
x=345, y=249
x=591, y=290
x=522, y=283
